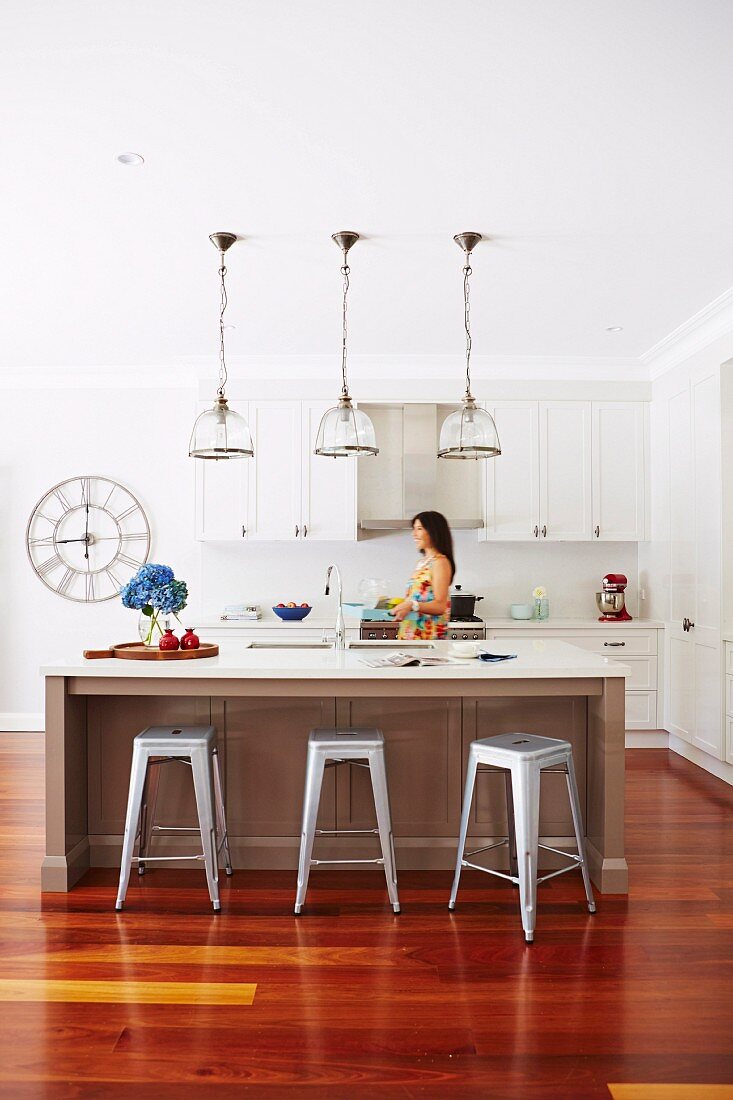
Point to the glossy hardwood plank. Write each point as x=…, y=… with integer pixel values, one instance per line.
x=127, y=992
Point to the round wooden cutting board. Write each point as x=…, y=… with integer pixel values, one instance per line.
x=136, y=651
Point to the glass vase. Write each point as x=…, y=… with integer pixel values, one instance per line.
x=542, y=610
x=151, y=628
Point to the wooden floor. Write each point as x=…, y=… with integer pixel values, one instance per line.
x=169, y=1000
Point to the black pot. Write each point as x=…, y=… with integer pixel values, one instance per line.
x=463, y=605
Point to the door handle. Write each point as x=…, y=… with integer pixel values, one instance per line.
x=305, y=530
x=244, y=531
x=614, y=643
x=297, y=530
x=544, y=531
x=598, y=532
x=536, y=532
x=687, y=625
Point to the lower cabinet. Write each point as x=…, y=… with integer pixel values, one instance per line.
x=266, y=744
x=729, y=702
x=423, y=750
x=636, y=647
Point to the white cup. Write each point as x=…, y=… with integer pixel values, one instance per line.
x=465, y=649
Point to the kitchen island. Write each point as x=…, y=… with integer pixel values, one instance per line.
x=264, y=701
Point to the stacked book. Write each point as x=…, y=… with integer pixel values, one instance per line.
x=241, y=612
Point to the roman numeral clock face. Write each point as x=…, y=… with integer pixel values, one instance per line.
x=86, y=537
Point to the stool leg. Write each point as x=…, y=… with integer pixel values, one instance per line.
x=311, y=800
x=138, y=772
x=147, y=813
x=526, y=795
x=220, y=813
x=579, y=834
x=203, y=785
x=511, y=831
x=465, y=815
x=378, y=773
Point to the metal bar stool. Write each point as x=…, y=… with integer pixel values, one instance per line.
x=194, y=747
x=329, y=748
x=523, y=756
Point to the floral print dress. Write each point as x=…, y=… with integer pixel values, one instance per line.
x=421, y=588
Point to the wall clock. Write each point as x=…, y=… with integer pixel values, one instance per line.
x=86, y=537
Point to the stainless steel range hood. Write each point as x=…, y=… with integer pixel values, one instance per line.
x=407, y=476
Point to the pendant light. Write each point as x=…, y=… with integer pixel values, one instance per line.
x=345, y=432
x=470, y=432
x=221, y=432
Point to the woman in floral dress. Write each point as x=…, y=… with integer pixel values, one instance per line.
x=424, y=612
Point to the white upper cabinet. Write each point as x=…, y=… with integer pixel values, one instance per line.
x=221, y=488
x=285, y=493
x=328, y=507
x=619, y=467
x=513, y=478
x=275, y=471
x=568, y=471
x=565, y=470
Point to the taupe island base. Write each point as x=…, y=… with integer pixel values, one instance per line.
x=263, y=704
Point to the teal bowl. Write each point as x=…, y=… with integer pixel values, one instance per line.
x=521, y=610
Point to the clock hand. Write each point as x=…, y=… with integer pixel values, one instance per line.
x=61, y=542
x=86, y=535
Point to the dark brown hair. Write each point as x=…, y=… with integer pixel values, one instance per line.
x=437, y=527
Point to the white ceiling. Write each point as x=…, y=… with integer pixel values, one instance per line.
x=589, y=140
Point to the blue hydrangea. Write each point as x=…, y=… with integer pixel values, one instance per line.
x=154, y=586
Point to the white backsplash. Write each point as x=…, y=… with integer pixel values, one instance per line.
x=504, y=573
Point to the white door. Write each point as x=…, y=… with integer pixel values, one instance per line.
x=705, y=634
x=619, y=471
x=328, y=484
x=275, y=471
x=565, y=470
x=682, y=566
x=220, y=493
x=512, y=488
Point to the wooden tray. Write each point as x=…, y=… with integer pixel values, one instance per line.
x=136, y=651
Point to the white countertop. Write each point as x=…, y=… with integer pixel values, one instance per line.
x=322, y=623
x=536, y=659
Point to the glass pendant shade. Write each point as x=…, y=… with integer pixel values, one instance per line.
x=345, y=432
x=220, y=433
x=470, y=432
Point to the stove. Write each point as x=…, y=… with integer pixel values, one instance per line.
x=468, y=629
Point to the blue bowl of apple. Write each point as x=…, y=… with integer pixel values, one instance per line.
x=292, y=612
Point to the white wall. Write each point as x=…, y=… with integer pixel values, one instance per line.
x=140, y=437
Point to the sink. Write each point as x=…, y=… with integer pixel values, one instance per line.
x=290, y=645
x=402, y=646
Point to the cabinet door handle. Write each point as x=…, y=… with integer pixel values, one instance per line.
x=536, y=532
x=305, y=530
x=244, y=530
x=614, y=643
x=686, y=624
x=544, y=531
x=297, y=530
x=598, y=532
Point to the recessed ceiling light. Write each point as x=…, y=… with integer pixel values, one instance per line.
x=130, y=159
x=615, y=328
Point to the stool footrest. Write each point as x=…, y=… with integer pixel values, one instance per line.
x=487, y=847
x=174, y=829
x=319, y=862
x=347, y=832
x=490, y=871
x=163, y=859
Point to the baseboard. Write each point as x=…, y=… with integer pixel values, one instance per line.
x=647, y=739
x=703, y=760
x=21, y=721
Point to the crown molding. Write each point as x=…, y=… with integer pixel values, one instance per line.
x=700, y=330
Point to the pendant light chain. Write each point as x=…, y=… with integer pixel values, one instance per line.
x=467, y=271
x=222, y=309
x=345, y=270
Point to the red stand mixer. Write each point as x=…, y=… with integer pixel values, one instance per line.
x=611, y=600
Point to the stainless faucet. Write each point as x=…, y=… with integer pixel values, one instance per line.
x=340, y=636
